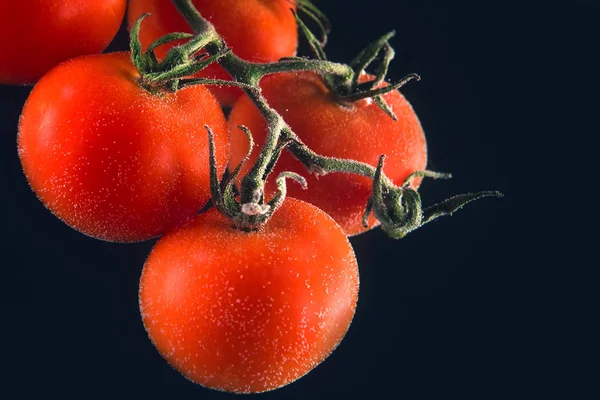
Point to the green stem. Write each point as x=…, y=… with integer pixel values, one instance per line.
x=253, y=181
x=248, y=74
x=322, y=165
x=304, y=64
x=198, y=24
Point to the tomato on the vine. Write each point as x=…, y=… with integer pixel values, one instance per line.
x=256, y=30
x=37, y=35
x=360, y=131
x=249, y=312
x=110, y=158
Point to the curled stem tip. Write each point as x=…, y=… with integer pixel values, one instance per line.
x=399, y=208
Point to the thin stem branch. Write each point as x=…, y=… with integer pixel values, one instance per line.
x=322, y=165
x=304, y=64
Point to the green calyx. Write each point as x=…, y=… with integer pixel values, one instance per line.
x=350, y=88
x=180, y=62
x=252, y=214
x=374, y=89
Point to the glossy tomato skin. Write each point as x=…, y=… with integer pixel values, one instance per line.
x=249, y=312
x=359, y=131
x=113, y=160
x=256, y=30
x=37, y=35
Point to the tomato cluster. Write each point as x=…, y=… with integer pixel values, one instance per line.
x=120, y=155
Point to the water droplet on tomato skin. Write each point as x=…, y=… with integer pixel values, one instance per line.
x=273, y=311
x=103, y=120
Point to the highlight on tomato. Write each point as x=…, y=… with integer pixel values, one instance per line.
x=249, y=312
x=112, y=159
x=37, y=35
x=358, y=130
x=256, y=30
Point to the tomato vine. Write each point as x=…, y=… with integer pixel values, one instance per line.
x=397, y=207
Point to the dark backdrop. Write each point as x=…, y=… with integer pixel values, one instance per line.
x=450, y=311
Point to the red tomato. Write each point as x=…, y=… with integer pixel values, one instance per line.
x=37, y=35
x=256, y=30
x=359, y=131
x=248, y=312
x=113, y=160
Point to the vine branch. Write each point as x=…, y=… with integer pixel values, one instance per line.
x=398, y=208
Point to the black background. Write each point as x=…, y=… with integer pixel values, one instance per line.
x=457, y=308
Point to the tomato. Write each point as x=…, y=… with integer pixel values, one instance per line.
x=37, y=35
x=249, y=312
x=113, y=160
x=256, y=30
x=359, y=131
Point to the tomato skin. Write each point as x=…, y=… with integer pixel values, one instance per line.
x=112, y=160
x=250, y=312
x=256, y=30
x=40, y=34
x=360, y=131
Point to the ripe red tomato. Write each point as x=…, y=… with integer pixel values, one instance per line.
x=37, y=35
x=113, y=160
x=359, y=131
x=256, y=30
x=250, y=312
